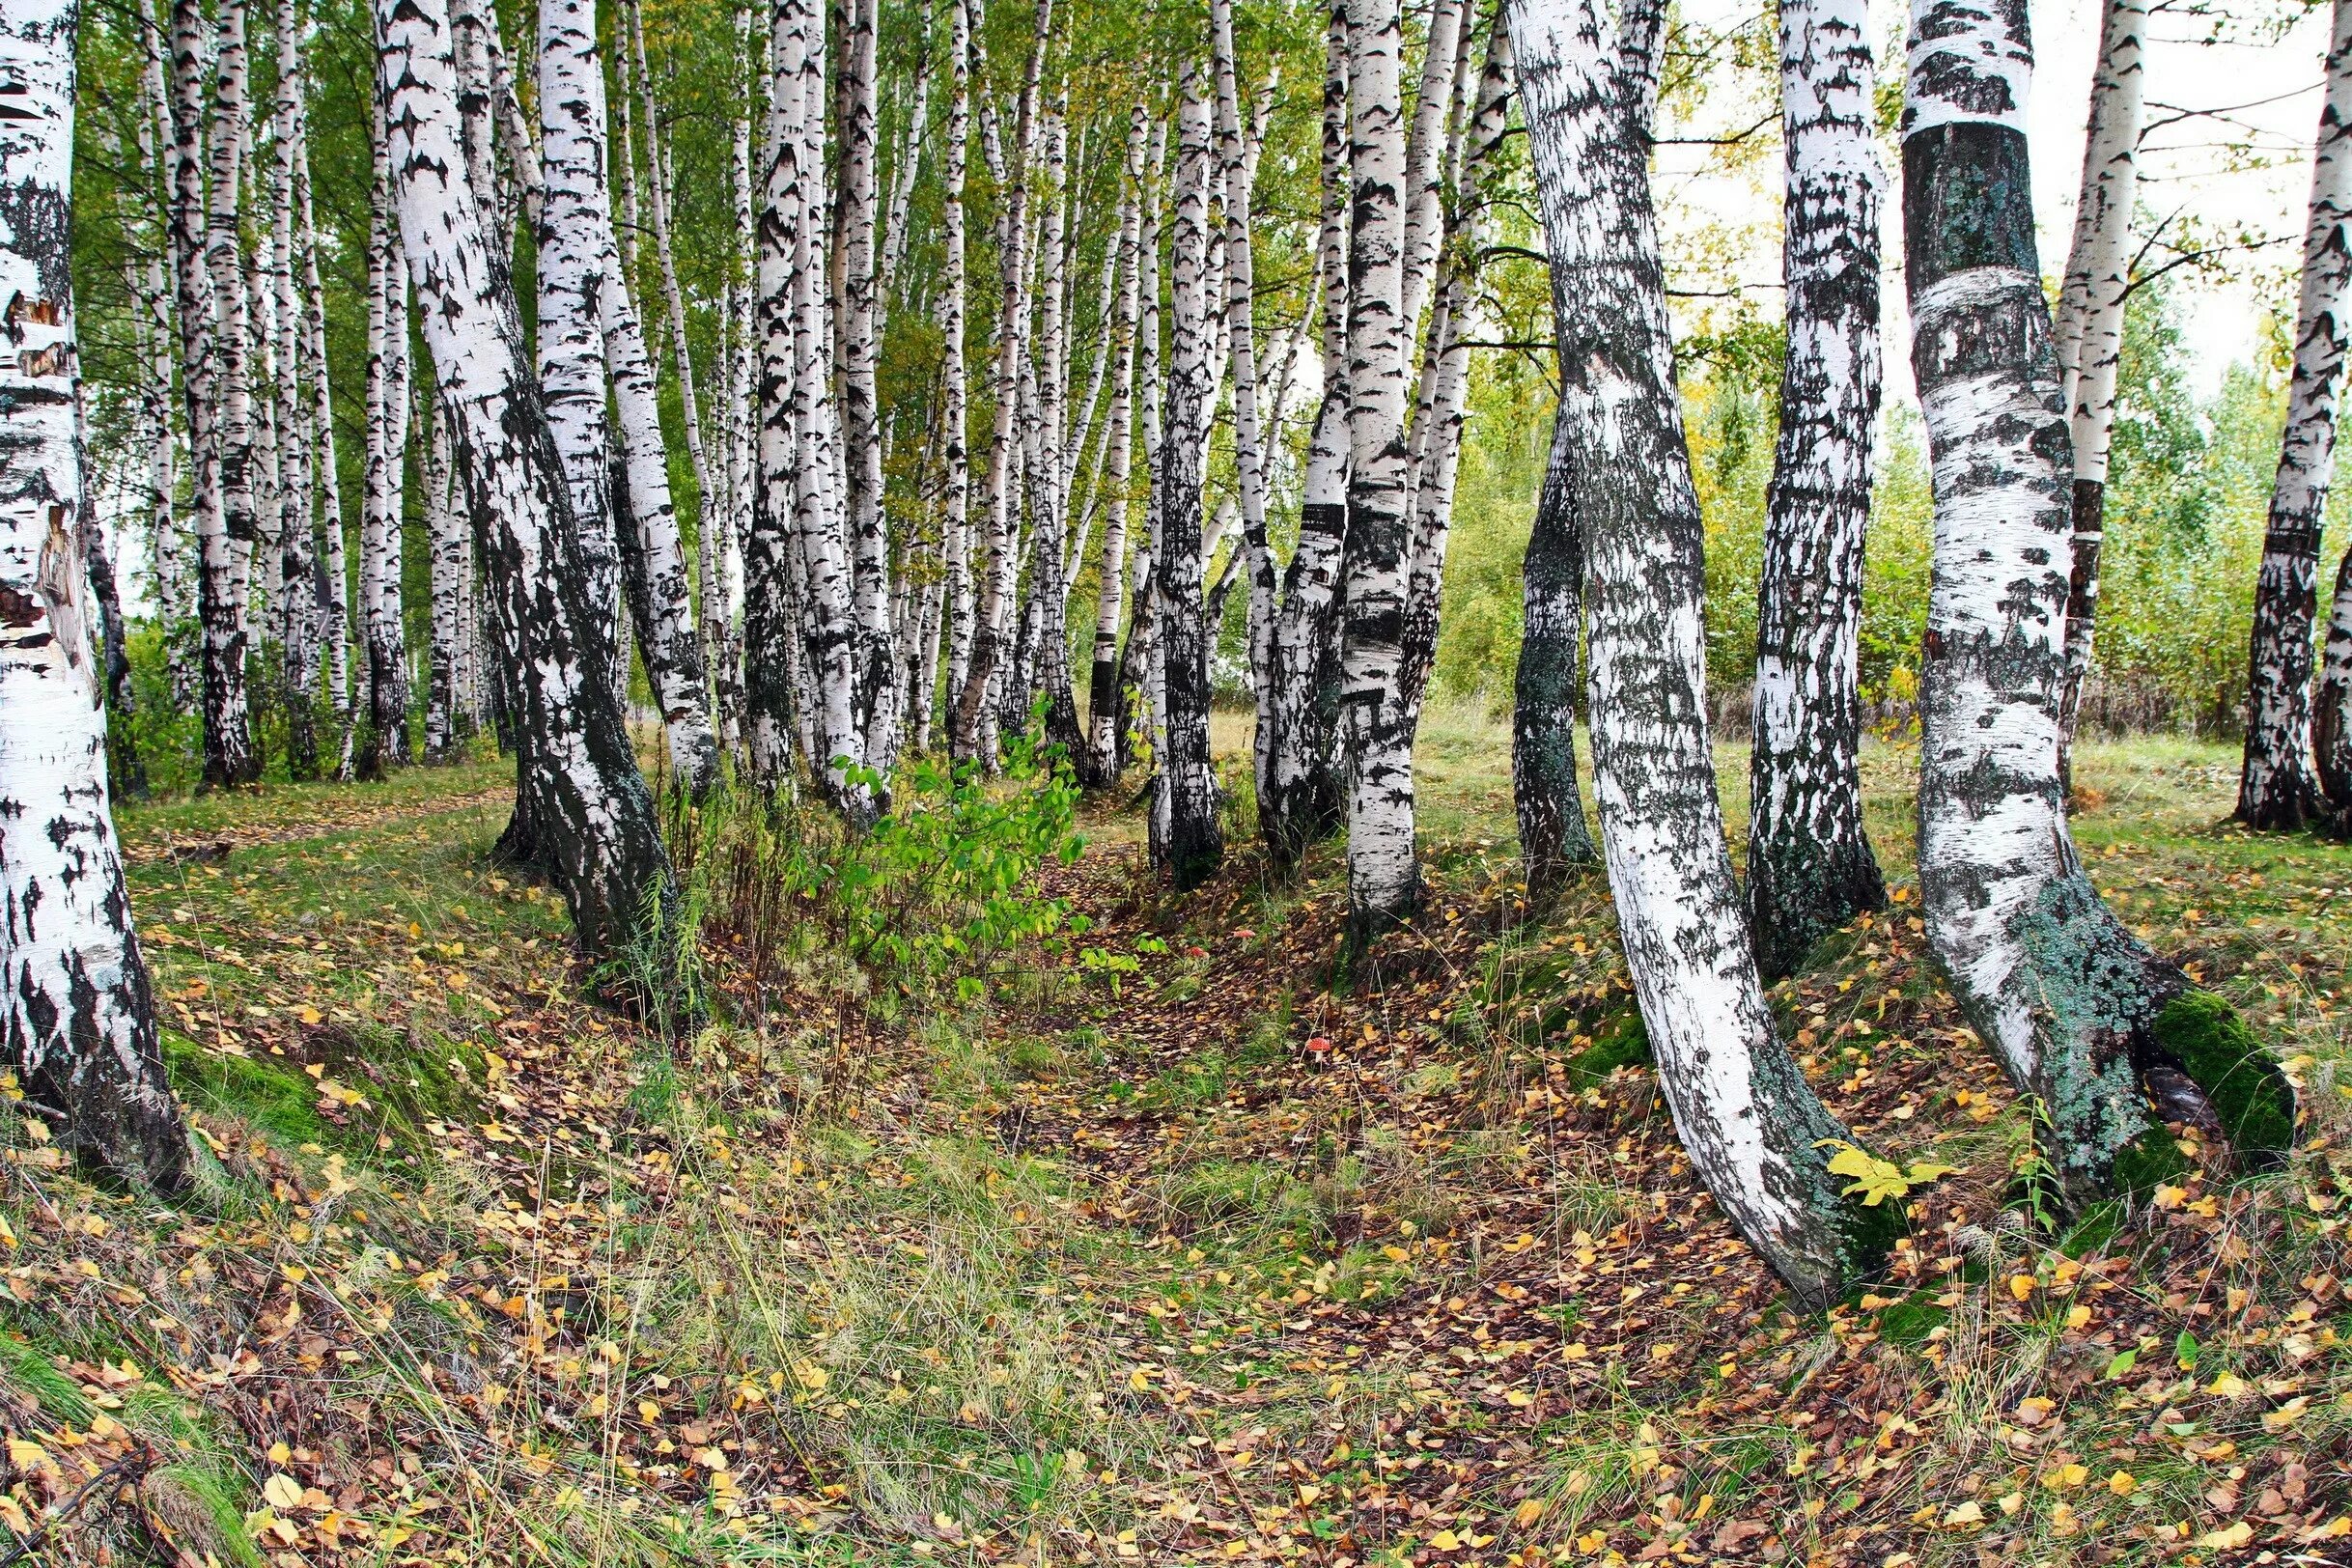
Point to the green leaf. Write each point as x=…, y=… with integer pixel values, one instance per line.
x=2121, y=1364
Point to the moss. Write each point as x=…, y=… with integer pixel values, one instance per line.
x=2250, y=1095
x=1870, y=1231
x=1626, y=1045
x=2152, y=1157
x=1909, y=1323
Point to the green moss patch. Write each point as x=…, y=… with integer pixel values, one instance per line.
x=2250, y=1095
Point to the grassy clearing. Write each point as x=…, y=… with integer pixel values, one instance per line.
x=1104, y=1264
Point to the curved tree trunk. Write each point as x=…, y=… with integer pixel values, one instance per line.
x=2078, y=1010
x=587, y=805
x=2089, y=326
x=77, y=1021
x=1810, y=865
x=1751, y=1125
x=2275, y=785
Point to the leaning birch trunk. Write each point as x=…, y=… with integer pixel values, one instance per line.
x=1424, y=189
x=1186, y=783
x=592, y=817
x=228, y=756
x=2275, y=785
x=2090, y=324
x=77, y=1020
x=1299, y=799
x=2083, y=1018
x=1383, y=876
x=1103, y=716
x=574, y=261
x=1810, y=865
x=572, y=200
x=1749, y=1122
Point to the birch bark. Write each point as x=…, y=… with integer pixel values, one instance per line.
x=2276, y=789
x=1300, y=796
x=1384, y=877
x=2075, y=1007
x=574, y=246
x=1186, y=779
x=77, y=1021
x=2090, y=331
x=1810, y=865
x=590, y=812
x=1103, y=715
x=1748, y=1120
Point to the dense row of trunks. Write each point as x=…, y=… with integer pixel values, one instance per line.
x=806, y=625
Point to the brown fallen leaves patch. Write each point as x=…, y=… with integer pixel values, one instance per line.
x=1443, y=1291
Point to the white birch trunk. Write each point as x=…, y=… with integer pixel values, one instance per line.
x=1103, y=715
x=1383, y=876
x=582, y=803
x=1298, y=796
x=2091, y=320
x=1810, y=865
x=955, y=413
x=2275, y=785
x=2075, y=1007
x=1186, y=787
x=78, y=1022
x=1746, y=1115
x=575, y=262
x=878, y=685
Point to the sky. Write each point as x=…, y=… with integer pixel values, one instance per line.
x=2248, y=174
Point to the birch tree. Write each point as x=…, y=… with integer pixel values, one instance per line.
x=2276, y=789
x=1751, y=1125
x=972, y=735
x=2089, y=322
x=1299, y=796
x=589, y=812
x=575, y=254
x=1185, y=785
x=1383, y=876
x=297, y=600
x=77, y=1020
x=2085, y=1018
x=878, y=688
x=384, y=474
x=1103, y=710
x=592, y=309
x=1810, y=865
x=1554, y=844
x=228, y=738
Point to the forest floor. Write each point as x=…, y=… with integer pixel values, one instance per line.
x=1183, y=1247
